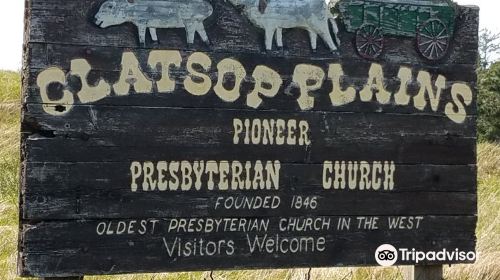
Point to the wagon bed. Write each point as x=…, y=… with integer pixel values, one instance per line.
x=431, y=22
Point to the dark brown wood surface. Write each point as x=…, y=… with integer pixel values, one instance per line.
x=76, y=167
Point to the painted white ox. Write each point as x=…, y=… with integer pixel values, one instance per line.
x=275, y=15
x=153, y=14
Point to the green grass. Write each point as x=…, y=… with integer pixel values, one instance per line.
x=488, y=231
x=488, y=226
x=10, y=88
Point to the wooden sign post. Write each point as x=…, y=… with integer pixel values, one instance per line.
x=177, y=135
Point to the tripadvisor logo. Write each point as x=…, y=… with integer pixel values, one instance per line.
x=388, y=255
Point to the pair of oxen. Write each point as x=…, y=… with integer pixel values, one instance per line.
x=271, y=15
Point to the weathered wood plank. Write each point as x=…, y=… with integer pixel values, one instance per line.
x=100, y=120
x=106, y=65
x=432, y=150
x=78, y=242
x=108, y=58
x=93, y=175
x=81, y=204
x=97, y=134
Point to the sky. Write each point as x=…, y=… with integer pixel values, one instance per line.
x=11, y=27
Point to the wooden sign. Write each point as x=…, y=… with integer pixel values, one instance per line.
x=208, y=134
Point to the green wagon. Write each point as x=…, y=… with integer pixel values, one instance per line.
x=431, y=22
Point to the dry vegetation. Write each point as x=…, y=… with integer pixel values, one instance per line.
x=488, y=231
x=9, y=165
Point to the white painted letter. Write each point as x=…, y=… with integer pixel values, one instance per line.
x=198, y=88
x=132, y=76
x=164, y=59
x=309, y=78
x=264, y=75
x=54, y=107
x=402, y=97
x=338, y=96
x=375, y=81
x=465, y=93
x=136, y=171
x=224, y=67
x=424, y=78
x=87, y=94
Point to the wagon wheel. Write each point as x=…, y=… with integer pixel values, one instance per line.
x=433, y=39
x=369, y=41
